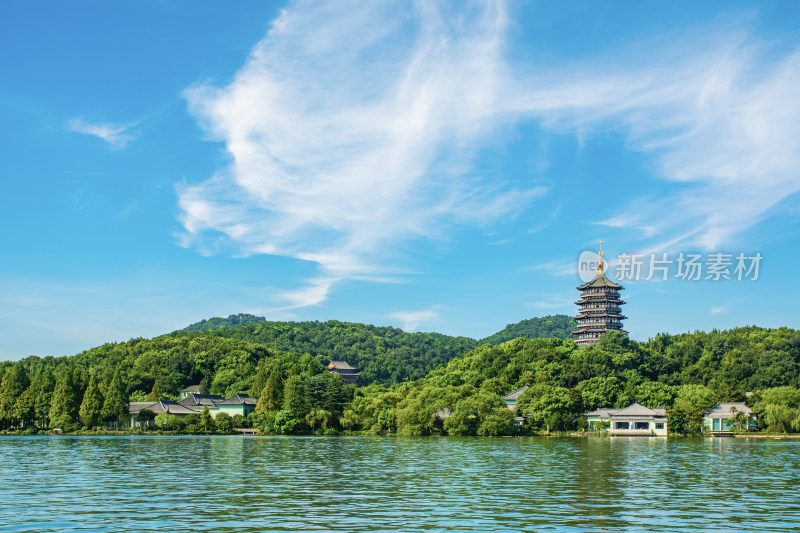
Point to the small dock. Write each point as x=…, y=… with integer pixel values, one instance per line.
x=246, y=431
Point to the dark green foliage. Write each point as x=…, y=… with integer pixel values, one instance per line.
x=294, y=396
x=206, y=420
x=145, y=416
x=271, y=397
x=92, y=405
x=381, y=354
x=684, y=373
x=64, y=407
x=115, y=406
x=224, y=422
x=551, y=326
x=13, y=385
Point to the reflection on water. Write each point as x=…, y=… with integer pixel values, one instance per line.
x=381, y=483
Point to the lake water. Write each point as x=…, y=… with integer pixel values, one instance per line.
x=224, y=484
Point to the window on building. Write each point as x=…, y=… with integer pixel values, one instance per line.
x=659, y=425
x=621, y=425
x=642, y=425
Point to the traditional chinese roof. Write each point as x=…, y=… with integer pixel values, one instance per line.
x=339, y=365
x=602, y=413
x=514, y=395
x=161, y=406
x=637, y=409
x=239, y=399
x=201, y=400
x=192, y=388
x=600, y=280
x=723, y=409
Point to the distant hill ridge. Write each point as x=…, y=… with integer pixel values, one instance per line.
x=219, y=322
x=551, y=326
x=382, y=354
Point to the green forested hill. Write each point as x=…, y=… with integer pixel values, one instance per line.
x=684, y=373
x=417, y=383
x=381, y=354
x=552, y=326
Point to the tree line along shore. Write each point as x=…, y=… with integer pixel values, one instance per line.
x=410, y=383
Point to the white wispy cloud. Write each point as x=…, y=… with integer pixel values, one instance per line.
x=116, y=135
x=717, y=110
x=347, y=139
x=411, y=320
x=352, y=129
x=718, y=309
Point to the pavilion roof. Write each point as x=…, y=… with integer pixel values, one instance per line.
x=600, y=280
x=195, y=400
x=637, y=409
x=724, y=409
x=239, y=399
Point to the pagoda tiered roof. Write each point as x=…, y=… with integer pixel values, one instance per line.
x=598, y=307
x=600, y=280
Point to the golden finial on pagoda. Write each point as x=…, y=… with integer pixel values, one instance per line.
x=600, y=260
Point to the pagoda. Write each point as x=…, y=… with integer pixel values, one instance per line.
x=599, y=307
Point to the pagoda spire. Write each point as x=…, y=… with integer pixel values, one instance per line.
x=600, y=261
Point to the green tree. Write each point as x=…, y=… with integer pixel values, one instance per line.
x=115, y=408
x=280, y=422
x=64, y=408
x=349, y=419
x=144, y=417
x=294, y=396
x=318, y=419
x=479, y=414
x=271, y=398
x=92, y=405
x=740, y=421
x=550, y=407
x=12, y=386
x=206, y=420
x=224, y=422
x=42, y=387
x=166, y=421
x=25, y=408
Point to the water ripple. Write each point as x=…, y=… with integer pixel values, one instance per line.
x=111, y=484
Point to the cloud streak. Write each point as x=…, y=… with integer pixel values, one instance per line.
x=116, y=135
x=411, y=320
x=352, y=130
x=346, y=145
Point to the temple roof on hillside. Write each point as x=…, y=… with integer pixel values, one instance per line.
x=600, y=280
x=514, y=395
x=339, y=365
x=239, y=399
x=724, y=409
x=192, y=388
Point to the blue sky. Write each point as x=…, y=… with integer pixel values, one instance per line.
x=433, y=166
